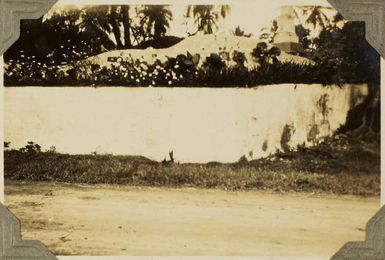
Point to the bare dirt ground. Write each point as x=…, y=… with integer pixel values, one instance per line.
x=122, y=220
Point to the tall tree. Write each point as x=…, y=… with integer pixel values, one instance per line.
x=109, y=19
x=348, y=54
x=114, y=18
x=157, y=18
x=316, y=16
x=104, y=18
x=206, y=17
x=125, y=9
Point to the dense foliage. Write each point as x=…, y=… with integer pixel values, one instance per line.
x=43, y=56
x=74, y=33
x=185, y=70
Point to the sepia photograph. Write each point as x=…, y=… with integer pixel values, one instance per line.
x=175, y=129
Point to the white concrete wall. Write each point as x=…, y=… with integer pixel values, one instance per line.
x=198, y=124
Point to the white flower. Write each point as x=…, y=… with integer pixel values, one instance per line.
x=169, y=82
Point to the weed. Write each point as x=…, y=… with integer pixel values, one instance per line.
x=337, y=165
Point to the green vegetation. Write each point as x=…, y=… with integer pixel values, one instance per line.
x=337, y=166
x=339, y=55
x=94, y=29
x=158, y=19
x=182, y=71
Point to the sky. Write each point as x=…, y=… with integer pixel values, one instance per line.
x=250, y=15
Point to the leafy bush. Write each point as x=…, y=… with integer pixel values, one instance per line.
x=222, y=69
x=263, y=54
x=31, y=148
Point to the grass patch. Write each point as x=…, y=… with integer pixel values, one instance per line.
x=336, y=166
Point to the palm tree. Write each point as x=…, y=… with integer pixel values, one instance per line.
x=115, y=18
x=158, y=19
x=207, y=16
x=104, y=18
x=109, y=18
x=125, y=10
x=316, y=16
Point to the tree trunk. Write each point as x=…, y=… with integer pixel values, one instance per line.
x=126, y=25
x=116, y=31
x=364, y=120
x=115, y=28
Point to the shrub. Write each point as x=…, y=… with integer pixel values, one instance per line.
x=31, y=148
x=184, y=70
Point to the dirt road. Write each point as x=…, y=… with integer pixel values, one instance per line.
x=121, y=220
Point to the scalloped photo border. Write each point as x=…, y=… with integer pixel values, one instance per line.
x=12, y=247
